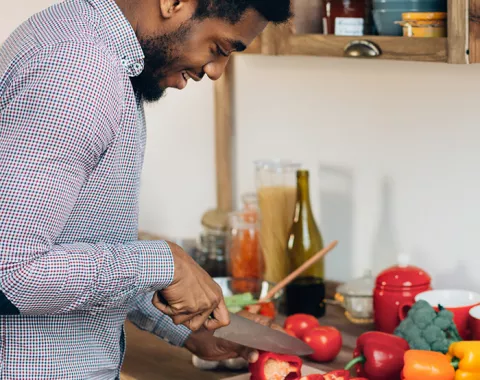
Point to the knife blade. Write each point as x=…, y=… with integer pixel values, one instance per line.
x=254, y=335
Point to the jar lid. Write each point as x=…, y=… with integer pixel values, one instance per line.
x=215, y=219
x=403, y=275
x=417, y=16
x=362, y=286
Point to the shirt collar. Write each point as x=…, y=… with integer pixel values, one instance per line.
x=120, y=36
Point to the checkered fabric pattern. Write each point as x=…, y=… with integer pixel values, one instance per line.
x=72, y=139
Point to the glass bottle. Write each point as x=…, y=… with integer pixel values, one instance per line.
x=306, y=294
x=346, y=17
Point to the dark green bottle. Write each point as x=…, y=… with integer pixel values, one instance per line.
x=307, y=293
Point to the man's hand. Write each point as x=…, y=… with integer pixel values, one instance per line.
x=203, y=344
x=193, y=295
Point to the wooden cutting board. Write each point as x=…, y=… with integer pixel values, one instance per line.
x=306, y=370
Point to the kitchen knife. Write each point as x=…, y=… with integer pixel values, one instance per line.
x=254, y=335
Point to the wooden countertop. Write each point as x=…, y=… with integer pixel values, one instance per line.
x=150, y=358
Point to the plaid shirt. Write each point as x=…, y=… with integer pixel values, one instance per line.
x=72, y=139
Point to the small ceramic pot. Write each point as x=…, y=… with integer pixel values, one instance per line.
x=397, y=286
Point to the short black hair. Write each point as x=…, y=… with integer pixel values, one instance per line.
x=275, y=11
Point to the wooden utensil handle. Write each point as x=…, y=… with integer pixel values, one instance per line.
x=302, y=268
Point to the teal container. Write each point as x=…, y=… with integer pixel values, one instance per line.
x=387, y=12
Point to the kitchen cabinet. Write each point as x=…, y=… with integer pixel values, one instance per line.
x=461, y=46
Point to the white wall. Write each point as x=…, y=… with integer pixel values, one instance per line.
x=372, y=133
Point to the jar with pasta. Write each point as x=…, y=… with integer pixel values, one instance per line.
x=276, y=193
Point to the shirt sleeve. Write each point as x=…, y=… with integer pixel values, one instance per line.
x=53, y=132
x=147, y=317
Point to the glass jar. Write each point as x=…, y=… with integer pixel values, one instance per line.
x=346, y=17
x=244, y=259
x=212, y=243
x=357, y=298
x=276, y=191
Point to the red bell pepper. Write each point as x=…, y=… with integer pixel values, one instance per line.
x=379, y=356
x=340, y=374
x=270, y=366
x=334, y=375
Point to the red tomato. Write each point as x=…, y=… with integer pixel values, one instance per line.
x=300, y=324
x=326, y=341
x=313, y=377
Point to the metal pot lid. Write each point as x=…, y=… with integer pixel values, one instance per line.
x=362, y=286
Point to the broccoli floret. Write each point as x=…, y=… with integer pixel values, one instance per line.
x=423, y=317
x=425, y=329
x=444, y=319
x=419, y=343
x=413, y=332
x=421, y=304
x=441, y=346
x=433, y=333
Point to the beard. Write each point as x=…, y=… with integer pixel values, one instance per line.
x=161, y=53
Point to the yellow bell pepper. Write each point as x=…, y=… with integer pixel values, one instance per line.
x=465, y=356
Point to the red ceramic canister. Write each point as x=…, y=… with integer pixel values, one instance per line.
x=397, y=286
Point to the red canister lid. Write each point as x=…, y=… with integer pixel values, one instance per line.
x=403, y=275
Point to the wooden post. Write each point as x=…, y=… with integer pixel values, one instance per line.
x=474, y=43
x=458, y=31
x=223, y=94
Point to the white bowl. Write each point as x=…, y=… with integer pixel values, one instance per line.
x=449, y=298
x=475, y=312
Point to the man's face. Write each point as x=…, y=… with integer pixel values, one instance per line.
x=178, y=48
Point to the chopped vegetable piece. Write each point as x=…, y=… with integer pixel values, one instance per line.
x=270, y=366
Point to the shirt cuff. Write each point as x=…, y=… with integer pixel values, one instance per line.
x=171, y=333
x=155, y=263
x=147, y=317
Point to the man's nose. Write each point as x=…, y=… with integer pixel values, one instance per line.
x=215, y=69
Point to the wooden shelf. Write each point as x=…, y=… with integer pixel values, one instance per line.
x=392, y=48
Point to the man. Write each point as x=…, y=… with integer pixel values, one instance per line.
x=73, y=80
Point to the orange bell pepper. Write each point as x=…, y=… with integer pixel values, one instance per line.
x=427, y=365
x=466, y=356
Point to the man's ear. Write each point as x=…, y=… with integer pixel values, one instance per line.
x=169, y=7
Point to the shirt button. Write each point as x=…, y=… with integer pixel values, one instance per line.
x=137, y=66
x=124, y=62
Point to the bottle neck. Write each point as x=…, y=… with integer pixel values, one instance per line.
x=303, y=192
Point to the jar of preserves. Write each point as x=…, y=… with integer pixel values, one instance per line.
x=243, y=247
x=346, y=17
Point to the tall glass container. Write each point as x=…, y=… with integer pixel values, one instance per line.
x=276, y=193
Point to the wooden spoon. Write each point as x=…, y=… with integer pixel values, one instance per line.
x=292, y=276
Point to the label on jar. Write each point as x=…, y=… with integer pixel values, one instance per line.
x=349, y=26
